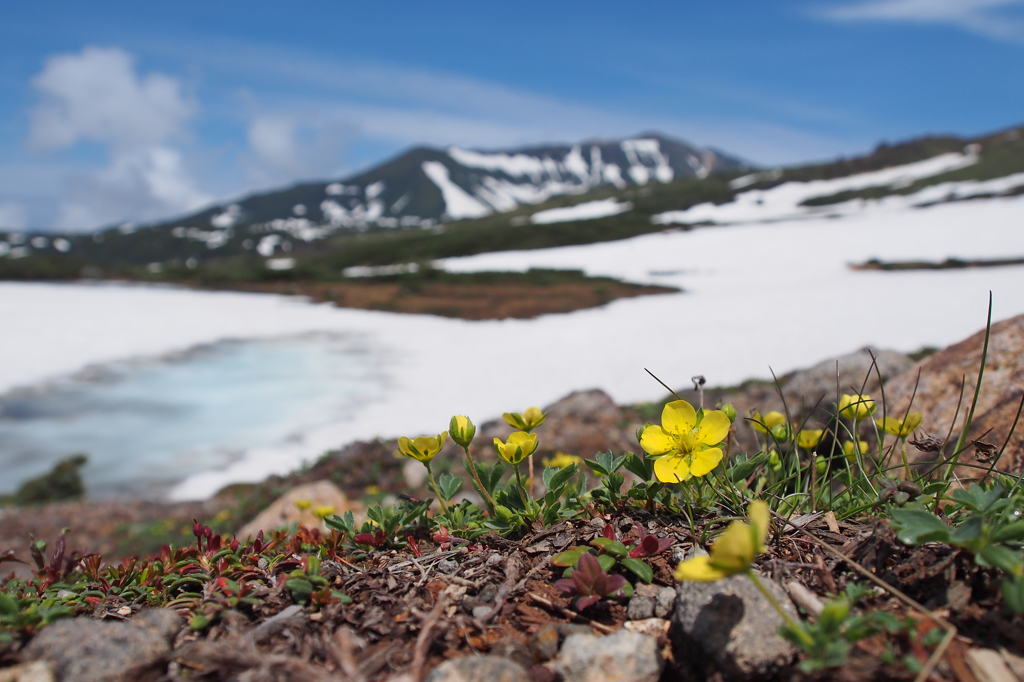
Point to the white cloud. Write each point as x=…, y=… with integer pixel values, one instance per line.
x=273, y=140
x=978, y=16
x=96, y=95
x=141, y=185
x=13, y=216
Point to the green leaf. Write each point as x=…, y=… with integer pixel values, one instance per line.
x=741, y=471
x=1013, y=593
x=595, y=466
x=569, y=557
x=969, y=532
x=8, y=607
x=562, y=476
x=504, y=514
x=1001, y=556
x=642, y=467
x=1011, y=532
x=613, y=547
x=345, y=524
x=449, y=485
x=606, y=562
x=917, y=527
x=198, y=622
x=640, y=568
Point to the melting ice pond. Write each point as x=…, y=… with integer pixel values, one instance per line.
x=146, y=425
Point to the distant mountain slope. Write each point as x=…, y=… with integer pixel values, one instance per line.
x=429, y=186
x=428, y=204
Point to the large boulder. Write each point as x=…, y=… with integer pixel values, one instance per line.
x=298, y=506
x=729, y=625
x=938, y=392
x=87, y=650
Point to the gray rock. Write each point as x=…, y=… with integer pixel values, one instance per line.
x=665, y=602
x=86, y=650
x=479, y=668
x=820, y=380
x=623, y=656
x=446, y=566
x=640, y=607
x=730, y=623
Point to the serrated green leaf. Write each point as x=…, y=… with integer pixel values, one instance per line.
x=449, y=485
x=640, y=568
x=642, y=467
x=562, y=476
x=916, y=527
x=596, y=467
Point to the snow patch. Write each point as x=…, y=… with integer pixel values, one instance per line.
x=783, y=202
x=588, y=210
x=458, y=203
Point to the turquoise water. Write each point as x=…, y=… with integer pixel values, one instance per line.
x=146, y=425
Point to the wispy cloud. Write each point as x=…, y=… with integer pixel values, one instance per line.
x=988, y=18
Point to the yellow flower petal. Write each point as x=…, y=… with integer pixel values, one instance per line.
x=713, y=428
x=655, y=441
x=671, y=469
x=774, y=418
x=809, y=438
x=678, y=417
x=912, y=421
x=760, y=517
x=698, y=569
x=734, y=549
x=704, y=461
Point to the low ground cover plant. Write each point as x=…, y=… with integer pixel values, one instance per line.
x=686, y=485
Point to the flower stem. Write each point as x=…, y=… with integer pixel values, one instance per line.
x=437, y=490
x=522, y=491
x=476, y=477
x=800, y=632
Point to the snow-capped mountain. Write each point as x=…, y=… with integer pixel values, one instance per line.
x=424, y=186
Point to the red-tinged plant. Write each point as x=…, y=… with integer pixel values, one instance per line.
x=591, y=582
x=377, y=539
x=413, y=546
x=648, y=545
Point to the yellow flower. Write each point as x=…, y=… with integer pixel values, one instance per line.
x=520, y=445
x=303, y=505
x=900, y=427
x=322, y=510
x=850, y=449
x=809, y=438
x=423, y=448
x=372, y=490
x=561, y=459
x=683, y=447
x=734, y=551
x=856, y=406
x=527, y=421
x=769, y=420
x=462, y=430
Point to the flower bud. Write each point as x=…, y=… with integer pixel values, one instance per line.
x=780, y=432
x=462, y=430
x=730, y=411
x=773, y=460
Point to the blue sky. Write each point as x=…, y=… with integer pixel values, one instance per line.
x=127, y=111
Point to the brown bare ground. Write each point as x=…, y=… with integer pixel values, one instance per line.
x=469, y=301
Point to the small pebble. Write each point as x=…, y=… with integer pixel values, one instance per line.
x=447, y=566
